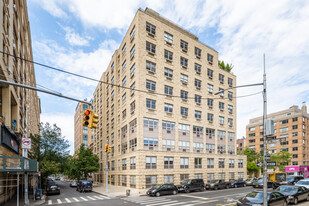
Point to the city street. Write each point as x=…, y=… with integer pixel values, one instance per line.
x=69, y=196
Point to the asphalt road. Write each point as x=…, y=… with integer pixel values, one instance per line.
x=227, y=197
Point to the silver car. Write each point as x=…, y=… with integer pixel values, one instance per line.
x=73, y=184
x=304, y=183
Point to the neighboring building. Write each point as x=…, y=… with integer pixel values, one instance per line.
x=291, y=134
x=241, y=144
x=156, y=136
x=82, y=135
x=19, y=108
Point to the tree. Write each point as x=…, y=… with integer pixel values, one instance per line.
x=282, y=159
x=252, y=158
x=49, y=167
x=226, y=67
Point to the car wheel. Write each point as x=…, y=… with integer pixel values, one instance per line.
x=236, y=186
x=174, y=192
x=216, y=187
x=285, y=204
x=295, y=201
x=308, y=198
x=158, y=194
x=227, y=186
x=202, y=189
x=187, y=190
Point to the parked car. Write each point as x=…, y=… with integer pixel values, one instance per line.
x=73, y=183
x=238, y=183
x=250, y=181
x=84, y=185
x=190, y=185
x=256, y=198
x=52, y=188
x=217, y=184
x=260, y=183
x=291, y=180
x=294, y=193
x=304, y=183
x=165, y=189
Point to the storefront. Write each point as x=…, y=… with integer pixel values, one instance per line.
x=297, y=170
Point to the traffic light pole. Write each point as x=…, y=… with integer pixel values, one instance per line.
x=106, y=172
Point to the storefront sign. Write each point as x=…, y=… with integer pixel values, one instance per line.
x=9, y=140
x=292, y=169
x=305, y=170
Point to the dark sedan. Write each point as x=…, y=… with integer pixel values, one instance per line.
x=260, y=183
x=165, y=189
x=294, y=193
x=292, y=180
x=256, y=198
x=52, y=188
x=238, y=183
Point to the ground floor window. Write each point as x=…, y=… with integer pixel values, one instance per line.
x=168, y=179
x=124, y=180
x=240, y=175
x=184, y=177
x=198, y=176
x=133, y=181
x=113, y=179
x=210, y=176
x=151, y=180
x=119, y=180
x=221, y=176
x=231, y=176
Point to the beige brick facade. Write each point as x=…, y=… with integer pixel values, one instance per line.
x=291, y=134
x=172, y=127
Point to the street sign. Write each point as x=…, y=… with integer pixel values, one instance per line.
x=107, y=170
x=267, y=158
x=269, y=164
x=259, y=164
x=26, y=143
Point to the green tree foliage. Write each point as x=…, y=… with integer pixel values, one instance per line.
x=85, y=162
x=252, y=158
x=49, y=167
x=282, y=159
x=226, y=67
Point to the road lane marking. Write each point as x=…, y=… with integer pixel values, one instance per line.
x=151, y=201
x=90, y=198
x=160, y=203
x=105, y=197
x=83, y=199
x=76, y=200
x=177, y=203
x=59, y=201
x=100, y=198
x=49, y=202
x=202, y=198
x=66, y=199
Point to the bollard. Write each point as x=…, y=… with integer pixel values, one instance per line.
x=128, y=192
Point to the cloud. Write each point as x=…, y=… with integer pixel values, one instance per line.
x=75, y=39
x=53, y=7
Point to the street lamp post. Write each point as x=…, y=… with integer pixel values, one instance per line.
x=265, y=203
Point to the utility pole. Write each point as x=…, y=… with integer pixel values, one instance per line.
x=25, y=154
x=106, y=172
x=265, y=203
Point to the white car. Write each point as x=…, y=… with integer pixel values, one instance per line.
x=304, y=183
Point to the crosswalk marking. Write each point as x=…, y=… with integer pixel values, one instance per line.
x=76, y=200
x=105, y=197
x=192, y=196
x=59, y=201
x=150, y=201
x=160, y=203
x=83, y=199
x=49, y=202
x=66, y=199
x=100, y=198
x=177, y=203
x=90, y=198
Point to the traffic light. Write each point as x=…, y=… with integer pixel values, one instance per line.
x=93, y=120
x=87, y=114
x=106, y=148
x=109, y=149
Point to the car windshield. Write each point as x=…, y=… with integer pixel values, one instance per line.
x=156, y=186
x=256, y=195
x=260, y=180
x=213, y=181
x=287, y=189
x=184, y=181
x=301, y=182
x=290, y=179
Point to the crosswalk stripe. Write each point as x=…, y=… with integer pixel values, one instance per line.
x=100, y=198
x=90, y=198
x=160, y=203
x=66, y=199
x=177, y=203
x=49, y=202
x=76, y=200
x=202, y=198
x=59, y=201
x=83, y=199
x=105, y=197
x=152, y=201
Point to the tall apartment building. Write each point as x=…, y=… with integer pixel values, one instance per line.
x=291, y=134
x=82, y=135
x=159, y=113
x=19, y=108
x=241, y=143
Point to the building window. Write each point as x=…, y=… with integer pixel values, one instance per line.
x=221, y=105
x=183, y=146
x=198, y=147
x=210, y=177
x=210, y=58
x=132, y=107
x=210, y=163
x=198, y=131
x=168, y=38
x=168, y=73
x=124, y=81
x=168, y=108
x=184, y=162
x=230, y=122
x=284, y=121
x=197, y=68
x=132, y=88
x=132, y=70
x=184, y=111
x=183, y=45
x=230, y=95
x=151, y=180
x=231, y=176
x=151, y=123
x=124, y=164
x=124, y=98
x=168, y=162
x=230, y=108
x=150, y=66
x=198, y=176
x=184, y=78
x=124, y=114
x=198, y=114
x=284, y=129
x=221, y=120
x=294, y=141
x=168, y=179
x=221, y=163
x=251, y=129
x=240, y=163
x=197, y=52
x=150, y=47
x=168, y=55
x=295, y=127
x=295, y=119
x=210, y=117
x=132, y=52
x=183, y=95
x=210, y=73
x=295, y=156
x=151, y=104
x=184, y=177
x=124, y=180
x=294, y=134
x=183, y=62
x=168, y=145
x=170, y=126
x=210, y=88
x=168, y=90
x=150, y=143
x=151, y=162
x=231, y=163
x=150, y=28
x=132, y=33
x=132, y=181
x=295, y=149
x=85, y=130
x=124, y=48
x=197, y=162
x=150, y=85
x=221, y=78
x=198, y=99
x=230, y=82
x=197, y=83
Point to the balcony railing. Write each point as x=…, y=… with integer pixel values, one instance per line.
x=17, y=164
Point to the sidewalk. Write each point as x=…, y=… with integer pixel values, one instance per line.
x=13, y=201
x=117, y=191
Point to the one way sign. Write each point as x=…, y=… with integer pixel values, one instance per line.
x=269, y=164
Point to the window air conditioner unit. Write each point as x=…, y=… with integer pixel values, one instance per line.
x=150, y=148
x=151, y=129
x=197, y=150
x=184, y=133
x=184, y=150
x=168, y=131
x=210, y=151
